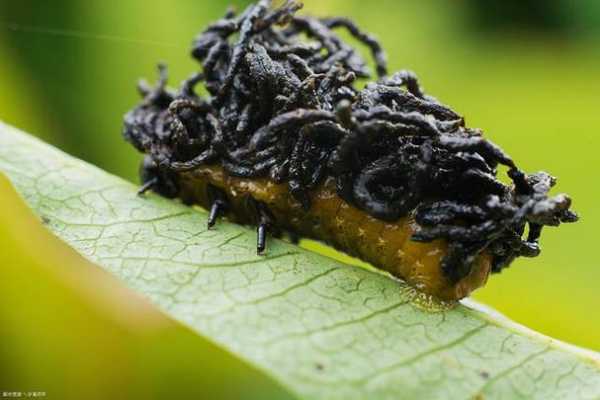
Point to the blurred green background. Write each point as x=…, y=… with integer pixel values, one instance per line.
x=527, y=72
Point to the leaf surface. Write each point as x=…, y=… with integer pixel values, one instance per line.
x=324, y=329
x=69, y=330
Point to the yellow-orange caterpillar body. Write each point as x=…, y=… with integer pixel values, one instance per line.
x=385, y=245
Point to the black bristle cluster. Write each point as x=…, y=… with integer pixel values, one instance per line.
x=282, y=103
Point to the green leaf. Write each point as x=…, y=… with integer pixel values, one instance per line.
x=69, y=330
x=323, y=329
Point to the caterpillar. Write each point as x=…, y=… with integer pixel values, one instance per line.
x=285, y=140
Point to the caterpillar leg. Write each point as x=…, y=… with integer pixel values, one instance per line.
x=294, y=238
x=161, y=181
x=219, y=205
x=147, y=186
x=261, y=239
x=215, y=212
x=266, y=223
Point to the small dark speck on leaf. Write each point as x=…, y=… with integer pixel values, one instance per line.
x=45, y=220
x=484, y=374
x=319, y=366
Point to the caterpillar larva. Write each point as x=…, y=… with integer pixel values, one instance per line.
x=286, y=141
